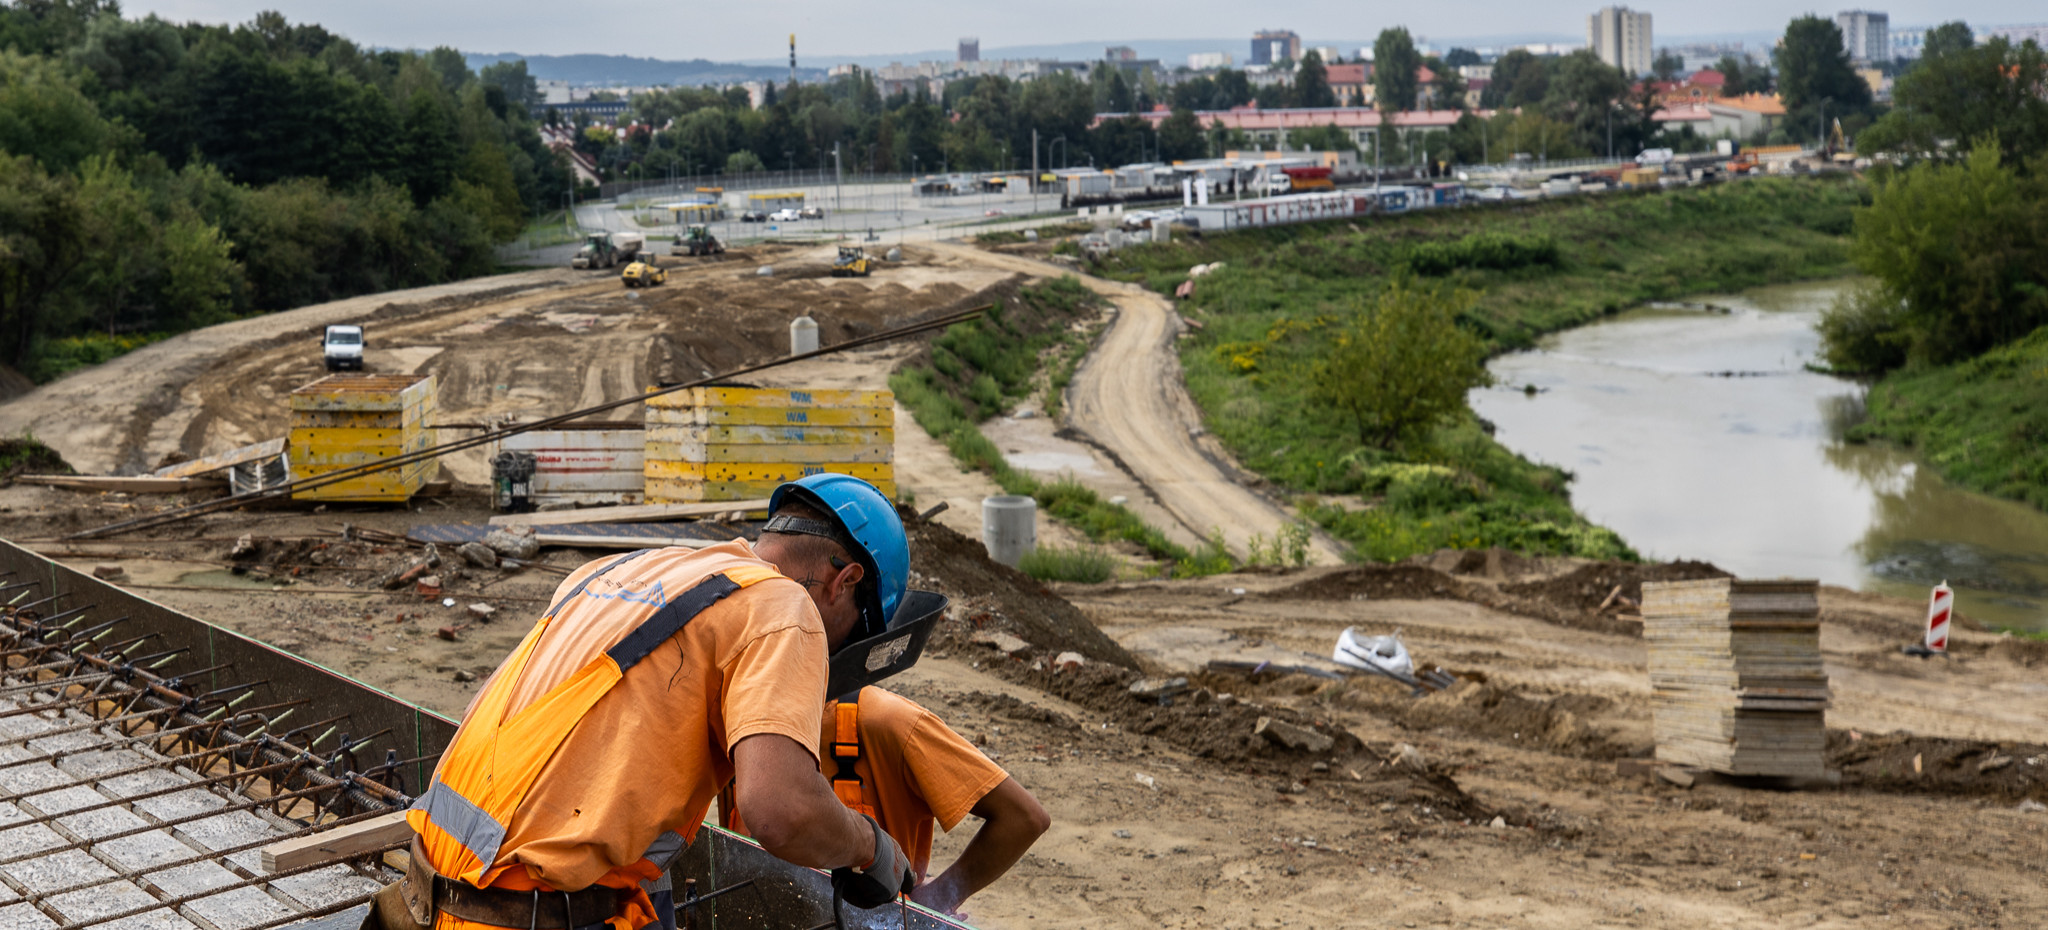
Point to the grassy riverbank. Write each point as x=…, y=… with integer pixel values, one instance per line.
x=1982, y=423
x=1271, y=313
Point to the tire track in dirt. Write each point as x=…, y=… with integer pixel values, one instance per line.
x=103, y=419
x=1128, y=399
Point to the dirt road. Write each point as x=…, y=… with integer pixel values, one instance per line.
x=1128, y=398
x=122, y=415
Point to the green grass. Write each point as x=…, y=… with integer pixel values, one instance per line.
x=60, y=356
x=1982, y=423
x=974, y=370
x=1270, y=312
x=1084, y=564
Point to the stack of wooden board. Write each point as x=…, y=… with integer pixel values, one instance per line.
x=732, y=443
x=1736, y=675
x=342, y=421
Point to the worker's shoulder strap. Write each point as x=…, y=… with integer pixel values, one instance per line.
x=847, y=784
x=674, y=614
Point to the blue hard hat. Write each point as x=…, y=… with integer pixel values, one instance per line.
x=870, y=522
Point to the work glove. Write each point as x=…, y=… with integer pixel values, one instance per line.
x=883, y=879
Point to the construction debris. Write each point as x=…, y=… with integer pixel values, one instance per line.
x=126, y=485
x=1736, y=675
x=478, y=554
x=1288, y=736
x=516, y=542
x=1002, y=642
x=1158, y=689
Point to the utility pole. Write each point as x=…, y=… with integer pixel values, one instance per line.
x=1034, y=171
x=838, y=178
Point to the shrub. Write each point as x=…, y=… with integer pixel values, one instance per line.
x=1492, y=250
x=1084, y=564
x=1403, y=365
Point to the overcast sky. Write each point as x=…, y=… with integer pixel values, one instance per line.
x=745, y=29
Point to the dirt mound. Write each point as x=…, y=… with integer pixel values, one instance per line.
x=26, y=456
x=1906, y=764
x=1204, y=726
x=988, y=595
x=1562, y=724
x=1496, y=563
x=1588, y=586
x=1403, y=582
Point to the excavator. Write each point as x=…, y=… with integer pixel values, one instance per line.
x=852, y=262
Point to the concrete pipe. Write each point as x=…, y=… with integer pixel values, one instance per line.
x=1009, y=527
x=803, y=335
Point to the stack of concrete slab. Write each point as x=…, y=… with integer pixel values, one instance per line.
x=734, y=443
x=1736, y=675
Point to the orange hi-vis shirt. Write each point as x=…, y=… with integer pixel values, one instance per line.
x=913, y=768
x=648, y=757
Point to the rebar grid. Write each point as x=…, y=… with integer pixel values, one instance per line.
x=81, y=680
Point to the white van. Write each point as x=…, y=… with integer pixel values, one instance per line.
x=342, y=347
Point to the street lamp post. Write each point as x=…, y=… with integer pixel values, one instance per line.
x=1060, y=141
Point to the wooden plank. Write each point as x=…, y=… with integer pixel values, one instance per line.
x=641, y=513
x=269, y=448
x=131, y=485
x=623, y=542
x=337, y=844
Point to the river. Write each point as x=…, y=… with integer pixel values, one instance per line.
x=1696, y=431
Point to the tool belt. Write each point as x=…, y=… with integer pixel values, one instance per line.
x=425, y=892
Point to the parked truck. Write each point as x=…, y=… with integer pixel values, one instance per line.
x=603, y=250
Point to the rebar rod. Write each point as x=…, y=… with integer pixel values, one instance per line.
x=181, y=900
x=93, y=697
x=398, y=461
x=203, y=857
x=159, y=825
x=46, y=647
x=133, y=739
x=203, y=782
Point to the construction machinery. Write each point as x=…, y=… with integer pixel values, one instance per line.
x=603, y=250
x=643, y=272
x=852, y=262
x=697, y=241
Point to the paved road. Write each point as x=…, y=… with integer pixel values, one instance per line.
x=1128, y=398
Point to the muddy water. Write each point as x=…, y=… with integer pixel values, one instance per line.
x=1698, y=433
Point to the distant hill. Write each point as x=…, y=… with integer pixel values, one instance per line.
x=624, y=69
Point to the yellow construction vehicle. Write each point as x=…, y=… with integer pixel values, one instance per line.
x=644, y=273
x=852, y=262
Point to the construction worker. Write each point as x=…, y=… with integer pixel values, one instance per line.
x=590, y=756
x=895, y=761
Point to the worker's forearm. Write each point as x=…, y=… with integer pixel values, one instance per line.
x=791, y=811
x=1013, y=821
x=828, y=837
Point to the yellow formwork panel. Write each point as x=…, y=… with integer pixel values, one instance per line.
x=766, y=471
x=773, y=435
x=772, y=397
x=360, y=419
x=767, y=452
x=346, y=421
x=679, y=491
x=772, y=416
x=364, y=393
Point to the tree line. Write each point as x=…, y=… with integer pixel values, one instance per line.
x=156, y=177
x=1955, y=240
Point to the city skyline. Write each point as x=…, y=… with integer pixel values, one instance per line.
x=827, y=34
